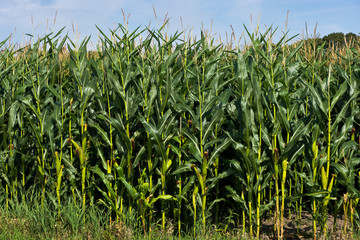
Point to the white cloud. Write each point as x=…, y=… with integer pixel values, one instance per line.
x=88, y=13
x=195, y=12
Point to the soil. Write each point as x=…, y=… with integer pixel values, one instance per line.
x=304, y=228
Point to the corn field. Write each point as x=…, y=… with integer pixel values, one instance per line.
x=180, y=130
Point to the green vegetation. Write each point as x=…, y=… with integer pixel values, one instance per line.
x=337, y=39
x=165, y=131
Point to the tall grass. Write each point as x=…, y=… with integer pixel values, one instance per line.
x=182, y=130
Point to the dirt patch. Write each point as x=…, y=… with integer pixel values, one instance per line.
x=303, y=229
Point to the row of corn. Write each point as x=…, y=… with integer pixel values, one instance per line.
x=183, y=131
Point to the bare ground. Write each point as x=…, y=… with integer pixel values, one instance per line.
x=303, y=229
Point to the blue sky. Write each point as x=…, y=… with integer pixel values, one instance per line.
x=36, y=17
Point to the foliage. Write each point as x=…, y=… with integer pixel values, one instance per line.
x=336, y=40
x=179, y=131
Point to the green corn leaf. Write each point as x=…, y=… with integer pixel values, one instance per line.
x=233, y=194
x=195, y=144
x=190, y=183
x=133, y=192
x=104, y=179
x=100, y=131
x=138, y=157
x=183, y=168
x=162, y=197
x=339, y=93
x=218, y=150
x=314, y=194
x=35, y=130
x=341, y=114
x=88, y=91
x=184, y=108
x=195, y=152
x=109, y=201
x=49, y=130
x=200, y=177
x=12, y=116
x=209, y=128
x=212, y=182
x=300, y=131
x=341, y=169
x=155, y=134
x=119, y=126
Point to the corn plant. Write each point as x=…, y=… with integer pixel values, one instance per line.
x=177, y=129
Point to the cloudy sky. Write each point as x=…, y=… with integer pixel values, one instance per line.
x=36, y=17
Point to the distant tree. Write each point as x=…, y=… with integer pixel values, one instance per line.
x=333, y=39
x=338, y=39
x=352, y=36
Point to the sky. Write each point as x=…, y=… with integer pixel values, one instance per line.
x=22, y=18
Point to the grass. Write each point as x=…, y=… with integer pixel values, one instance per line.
x=25, y=222
x=30, y=221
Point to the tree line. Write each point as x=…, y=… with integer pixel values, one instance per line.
x=336, y=39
